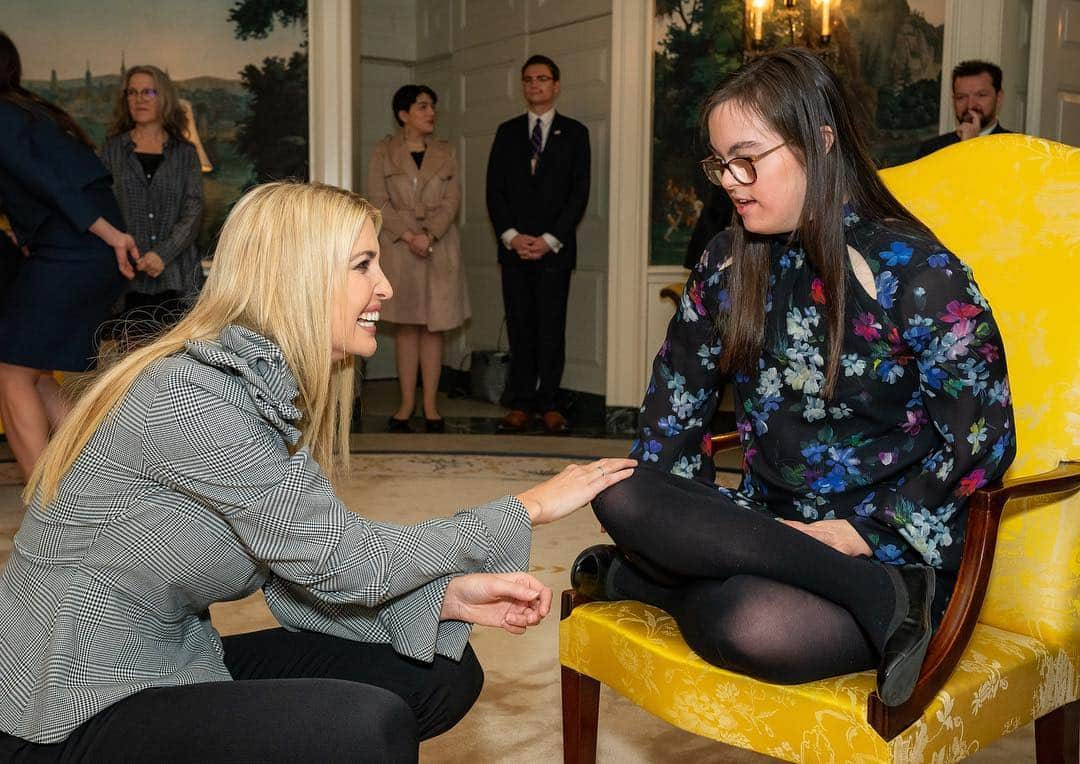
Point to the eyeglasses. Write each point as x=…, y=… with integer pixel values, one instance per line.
x=742, y=169
x=542, y=79
x=145, y=93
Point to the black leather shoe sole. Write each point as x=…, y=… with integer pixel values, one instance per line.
x=905, y=649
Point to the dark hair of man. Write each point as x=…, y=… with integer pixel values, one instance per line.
x=173, y=118
x=12, y=91
x=796, y=94
x=406, y=96
x=538, y=59
x=975, y=68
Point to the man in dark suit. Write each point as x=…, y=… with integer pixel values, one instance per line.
x=537, y=190
x=977, y=97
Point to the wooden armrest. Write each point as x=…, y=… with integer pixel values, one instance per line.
x=673, y=292
x=949, y=641
x=725, y=441
x=570, y=600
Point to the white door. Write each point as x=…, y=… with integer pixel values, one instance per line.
x=1054, y=84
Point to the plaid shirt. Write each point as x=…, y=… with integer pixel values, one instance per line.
x=163, y=214
x=186, y=495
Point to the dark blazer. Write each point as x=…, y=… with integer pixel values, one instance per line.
x=551, y=201
x=948, y=139
x=49, y=182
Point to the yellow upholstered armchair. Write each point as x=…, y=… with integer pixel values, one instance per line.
x=1008, y=650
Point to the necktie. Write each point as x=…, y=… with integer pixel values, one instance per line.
x=537, y=141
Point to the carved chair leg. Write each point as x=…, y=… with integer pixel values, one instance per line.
x=580, y=712
x=1057, y=736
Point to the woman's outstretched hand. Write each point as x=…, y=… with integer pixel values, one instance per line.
x=839, y=534
x=573, y=488
x=509, y=601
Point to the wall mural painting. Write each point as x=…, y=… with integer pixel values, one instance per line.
x=888, y=52
x=240, y=64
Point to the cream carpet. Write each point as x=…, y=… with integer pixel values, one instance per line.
x=518, y=717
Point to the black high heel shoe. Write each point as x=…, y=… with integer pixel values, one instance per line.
x=434, y=425
x=905, y=648
x=397, y=425
x=593, y=572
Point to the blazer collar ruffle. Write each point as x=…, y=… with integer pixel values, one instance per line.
x=262, y=368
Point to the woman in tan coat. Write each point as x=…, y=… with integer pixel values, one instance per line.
x=413, y=179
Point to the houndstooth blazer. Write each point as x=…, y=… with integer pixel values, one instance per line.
x=186, y=495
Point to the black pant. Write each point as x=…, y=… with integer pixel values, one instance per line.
x=535, y=298
x=296, y=697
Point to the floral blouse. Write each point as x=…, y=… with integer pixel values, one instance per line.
x=921, y=416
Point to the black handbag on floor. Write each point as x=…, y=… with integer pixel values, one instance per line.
x=488, y=372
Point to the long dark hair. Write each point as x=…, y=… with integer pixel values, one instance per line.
x=796, y=94
x=173, y=116
x=12, y=91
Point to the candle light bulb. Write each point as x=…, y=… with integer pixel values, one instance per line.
x=757, y=8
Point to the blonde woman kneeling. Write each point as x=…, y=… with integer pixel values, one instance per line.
x=200, y=469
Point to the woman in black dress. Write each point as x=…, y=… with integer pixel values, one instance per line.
x=870, y=394
x=59, y=199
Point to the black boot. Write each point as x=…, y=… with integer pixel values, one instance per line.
x=909, y=633
x=593, y=572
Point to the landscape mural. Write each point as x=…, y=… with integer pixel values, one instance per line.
x=888, y=52
x=242, y=65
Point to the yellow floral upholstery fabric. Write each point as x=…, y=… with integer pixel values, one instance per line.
x=1009, y=206
x=637, y=650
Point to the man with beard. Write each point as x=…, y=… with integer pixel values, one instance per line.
x=977, y=97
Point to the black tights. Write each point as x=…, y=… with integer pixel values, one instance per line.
x=297, y=697
x=748, y=592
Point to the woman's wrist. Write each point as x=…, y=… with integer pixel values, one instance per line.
x=105, y=231
x=533, y=507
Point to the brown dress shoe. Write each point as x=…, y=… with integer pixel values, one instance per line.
x=514, y=421
x=555, y=423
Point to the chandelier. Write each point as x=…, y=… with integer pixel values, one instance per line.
x=772, y=24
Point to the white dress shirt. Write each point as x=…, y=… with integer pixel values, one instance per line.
x=545, y=120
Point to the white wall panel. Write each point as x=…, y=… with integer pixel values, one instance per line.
x=473, y=154
x=485, y=288
x=483, y=21
x=388, y=28
x=1054, y=79
x=545, y=14
x=585, y=331
x=434, y=29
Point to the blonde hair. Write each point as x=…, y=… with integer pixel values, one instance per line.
x=283, y=253
x=173, y=117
